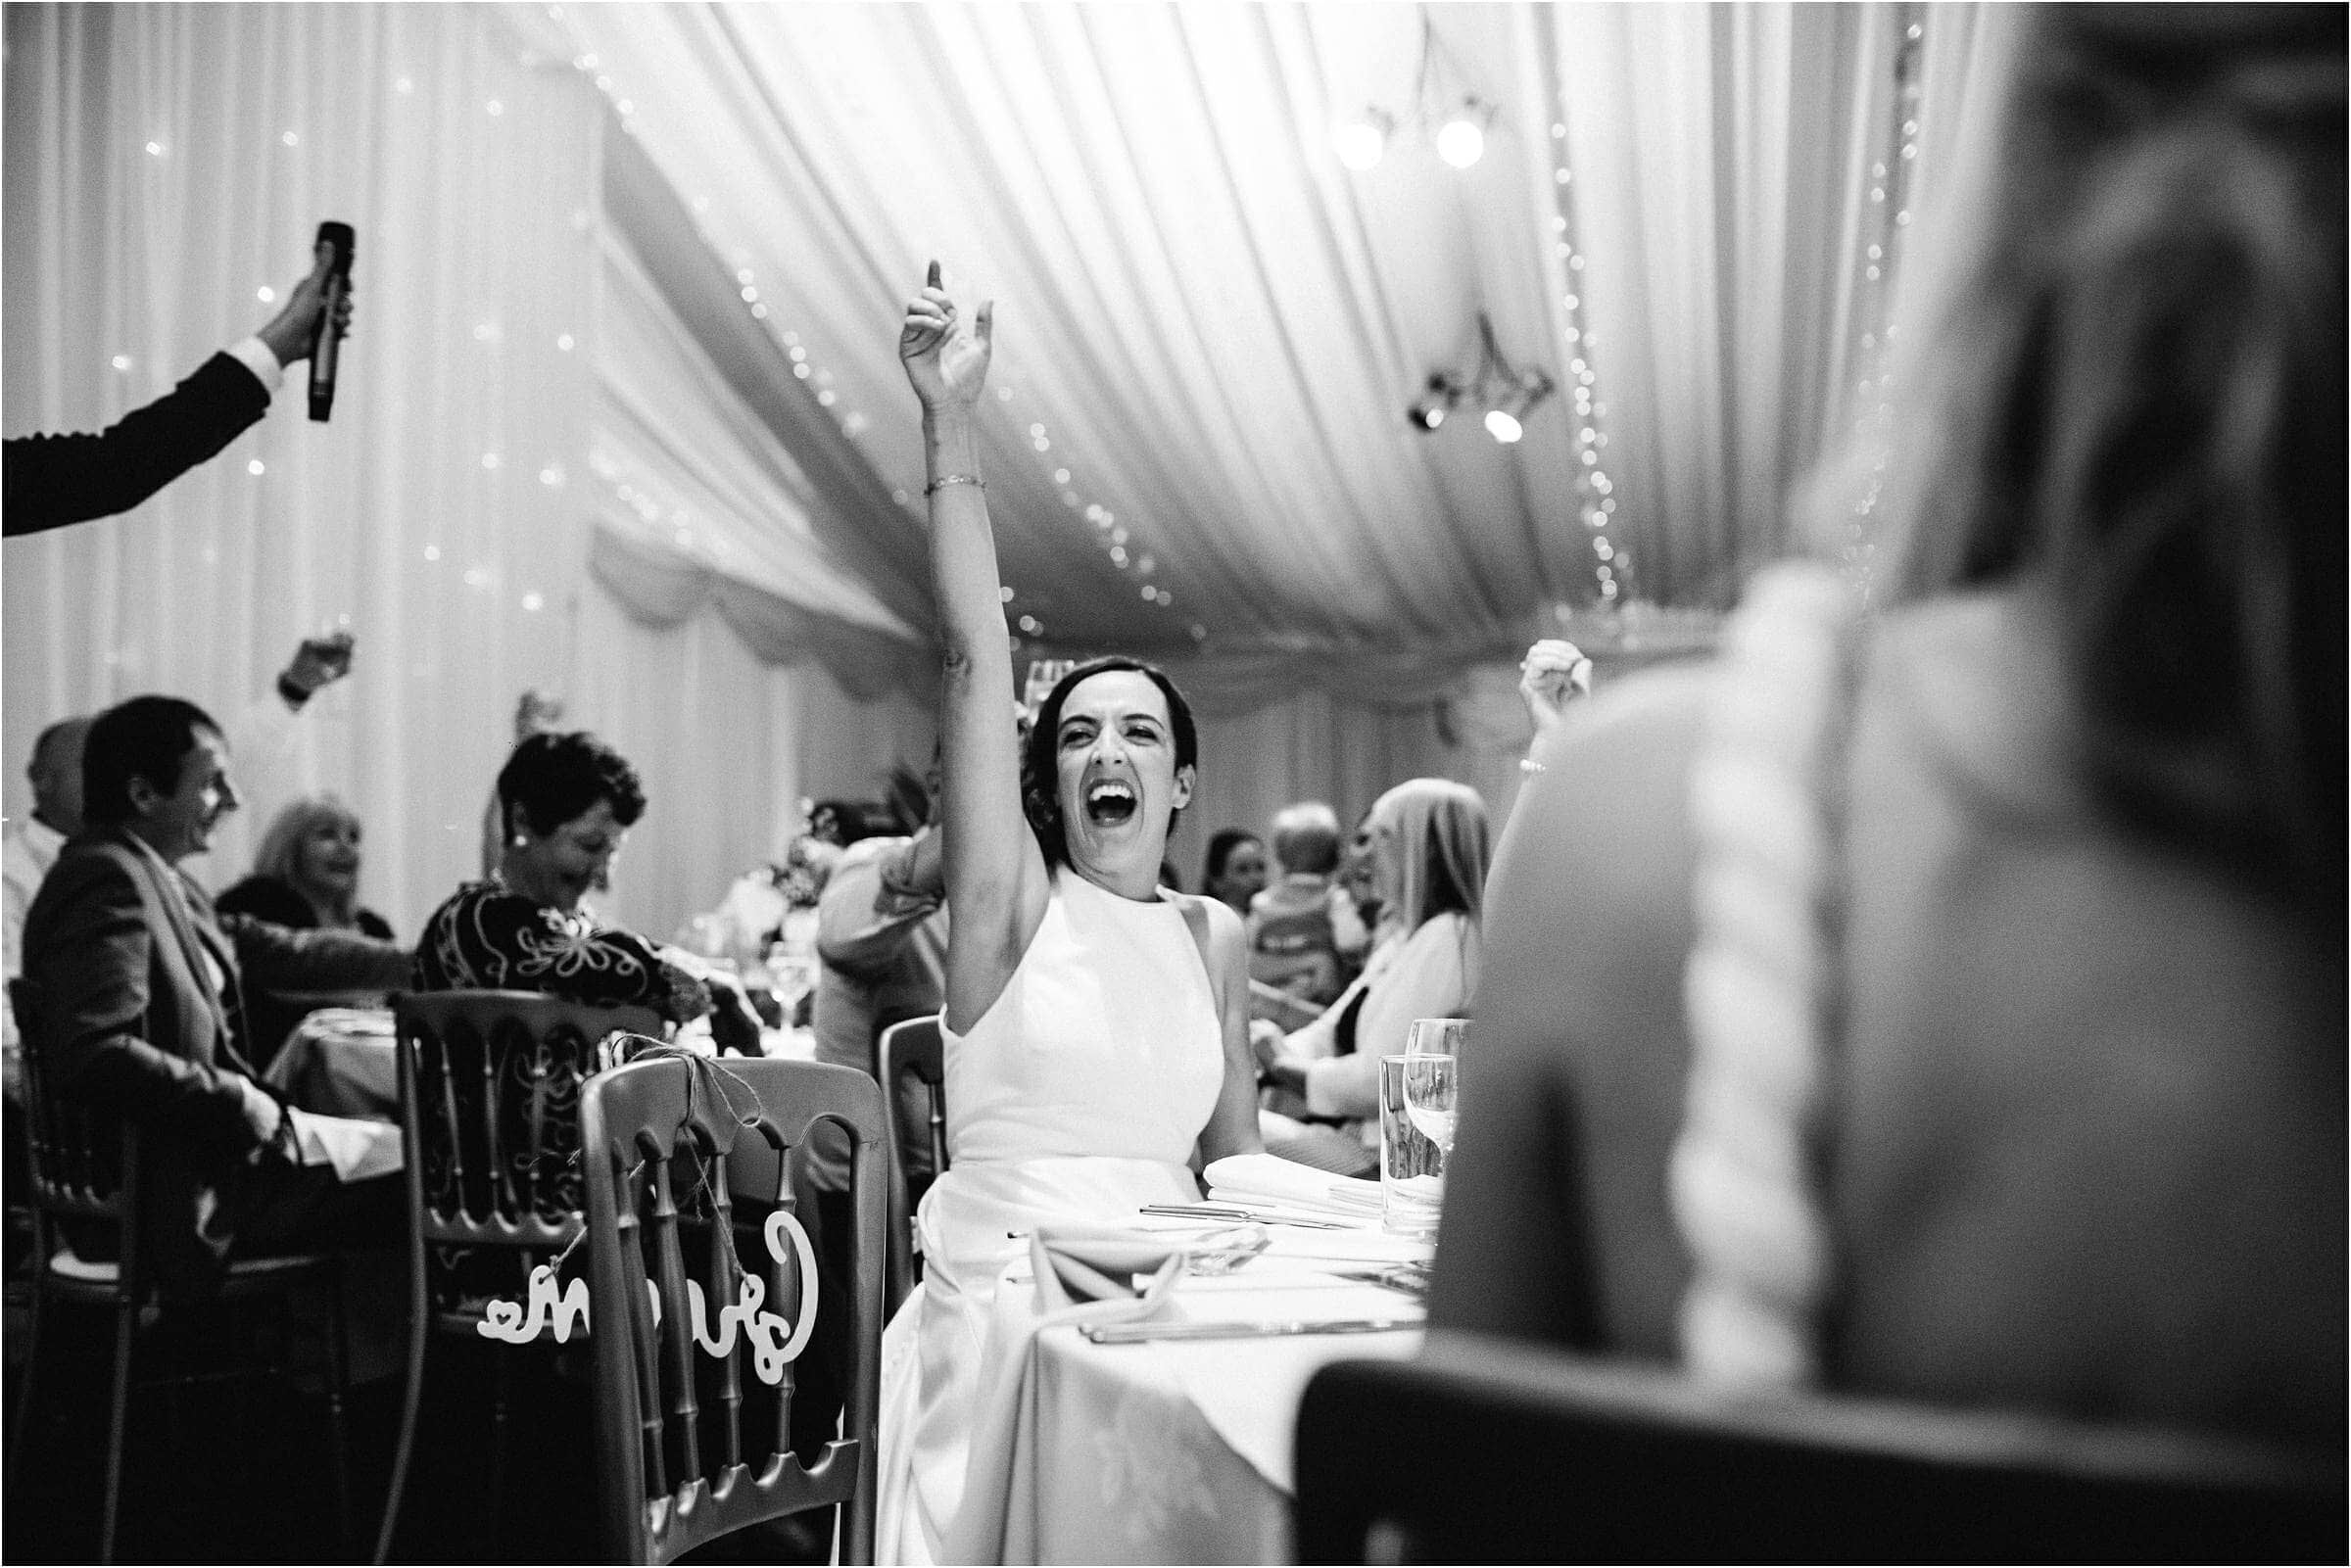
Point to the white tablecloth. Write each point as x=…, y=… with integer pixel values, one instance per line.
x=1167, y=1451
x=342, y=1062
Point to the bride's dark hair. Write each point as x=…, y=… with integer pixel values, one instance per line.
x=1040, y=794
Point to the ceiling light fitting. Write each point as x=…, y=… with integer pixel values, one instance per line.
x=1445, y=111
x=1506, y=393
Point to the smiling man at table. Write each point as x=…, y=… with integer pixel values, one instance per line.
x=141, y=998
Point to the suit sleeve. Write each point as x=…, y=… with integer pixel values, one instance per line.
x=277, y=958
x=51, y=481
x=93, y=959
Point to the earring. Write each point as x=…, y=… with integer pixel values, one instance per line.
x=518, y=842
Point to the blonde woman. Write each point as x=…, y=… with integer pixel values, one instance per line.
x=1428, y=846
x=306, y=873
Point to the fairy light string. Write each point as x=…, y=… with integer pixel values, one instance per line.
x=1594, y=492
x=1120, y=540
x=1888, y=206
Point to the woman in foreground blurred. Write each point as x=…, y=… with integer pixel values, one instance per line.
x=1096, y=1028
x=2003, y=1060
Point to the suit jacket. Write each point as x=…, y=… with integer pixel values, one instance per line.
x=51, y=481
x=134, y=1027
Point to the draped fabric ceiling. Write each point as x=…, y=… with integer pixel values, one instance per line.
x=624, y=417
x=1209, y=328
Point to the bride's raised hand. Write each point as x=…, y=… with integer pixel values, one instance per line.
x=945, y=356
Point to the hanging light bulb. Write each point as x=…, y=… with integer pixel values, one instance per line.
x=1461, y=142
x=1361, y=142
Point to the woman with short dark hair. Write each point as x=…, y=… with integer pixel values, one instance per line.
x=1235, y=869
x=568, y=801
x=1095, y=1028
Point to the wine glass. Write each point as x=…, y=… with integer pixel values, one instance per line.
x=1432, y=1050
x=1436, y=1037
x=791, y=974
x=1431, y=1087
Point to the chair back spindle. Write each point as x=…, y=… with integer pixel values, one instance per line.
x=912, y=1050
x=680, y=1151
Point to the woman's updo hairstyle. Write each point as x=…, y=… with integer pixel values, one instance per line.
x=1040, y=790
x=2130, y=394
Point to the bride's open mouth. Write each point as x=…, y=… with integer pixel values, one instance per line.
x=1110, y=803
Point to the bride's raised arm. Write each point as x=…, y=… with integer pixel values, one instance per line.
x=996, y=880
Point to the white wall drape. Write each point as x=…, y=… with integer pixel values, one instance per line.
x=451, y=507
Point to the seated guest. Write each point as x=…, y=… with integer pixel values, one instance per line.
x=305, y=876
x=1429, y=853
x=29, y=846
x=1095, y=1028
x=1236, y=872
x=1948, y=1006
x=536, y=712
x=1300, y=924
x=141, y=989
x=569, y=801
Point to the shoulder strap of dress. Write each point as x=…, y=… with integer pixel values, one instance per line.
x=1760, y=990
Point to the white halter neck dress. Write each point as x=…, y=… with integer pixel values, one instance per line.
x=1079, y=1095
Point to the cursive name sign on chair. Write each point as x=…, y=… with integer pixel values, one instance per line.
x=775, y=1340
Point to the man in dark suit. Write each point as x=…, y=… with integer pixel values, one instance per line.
x=49, y=481
x=140, y=990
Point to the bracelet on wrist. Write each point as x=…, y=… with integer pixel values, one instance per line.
x=944, y=480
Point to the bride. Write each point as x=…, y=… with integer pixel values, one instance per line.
x=1097, y=1045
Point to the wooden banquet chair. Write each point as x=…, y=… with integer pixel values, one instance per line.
x=670, y=1144
x=911, y=1049
x=85, y=1171
x=1489, y=1451
x=489, y=1117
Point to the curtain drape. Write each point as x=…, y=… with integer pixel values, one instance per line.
x=164, y=163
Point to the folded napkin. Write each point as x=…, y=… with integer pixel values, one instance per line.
x=356, y=1148
x=368, y=1021
x=1102, y=1264
x=1268, y=1179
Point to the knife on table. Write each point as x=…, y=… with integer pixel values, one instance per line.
x=1136, y=1333
x=1257, y=1216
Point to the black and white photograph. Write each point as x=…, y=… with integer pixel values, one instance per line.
x=1185, y=782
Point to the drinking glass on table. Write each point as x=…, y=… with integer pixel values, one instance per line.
x=1412, y=1166
x=792, y=974
x=1432, y=1051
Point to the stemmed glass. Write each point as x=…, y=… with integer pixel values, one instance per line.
x=1431, y=1077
